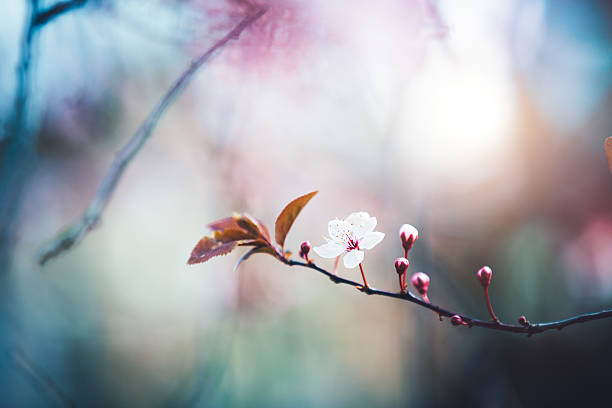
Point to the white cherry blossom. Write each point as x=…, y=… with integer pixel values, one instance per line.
x=351, y=235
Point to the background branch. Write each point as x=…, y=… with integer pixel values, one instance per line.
x=44, y=16
x=46, y=383
x=17, y=153
x=528, y=328
x=75, y=232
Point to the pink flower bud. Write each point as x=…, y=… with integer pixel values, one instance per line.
x=420, y=281
x=305, y=249
x=456, y=320
x=408, y=234
x=401, y=264
x=484, y=275
x=523, y=321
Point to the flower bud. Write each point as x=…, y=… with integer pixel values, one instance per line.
x=523, y=321
x=401, y=264
x=408, y=235
x=484, y=275
x=420, y=281
x=456, y=320
x=305, y=249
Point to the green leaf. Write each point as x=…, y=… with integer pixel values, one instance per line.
x=288, y=215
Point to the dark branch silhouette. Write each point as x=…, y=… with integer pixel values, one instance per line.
x=526, y=328
x=244, y=230
x=75, y=233
x=44, y=16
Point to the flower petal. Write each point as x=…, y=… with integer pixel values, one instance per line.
x=367, y=228
x=340, y=231
x=408, y=230
x=353, y=258
x=362, y=223
x=371, y=239
x=357, y=217
x=329, y=250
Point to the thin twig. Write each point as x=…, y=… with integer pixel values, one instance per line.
x=489, y=305
x=44, y=16
x=529, y=328
x=17, y=153
x=44, y=381
x=73, y=234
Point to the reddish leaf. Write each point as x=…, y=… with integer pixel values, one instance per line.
x=264, y=230
x=257, y=250
x=253, y=242
x=608, y=148
x=229, y=222
x=252, y=226
x=288, y=215
x=239, y=230
x=232, y=234
x=240, y=226
x=205, y=244
x=208, y=248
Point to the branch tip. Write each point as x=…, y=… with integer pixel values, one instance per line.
x=529, y=329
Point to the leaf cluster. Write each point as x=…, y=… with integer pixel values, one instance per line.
x=244, y=230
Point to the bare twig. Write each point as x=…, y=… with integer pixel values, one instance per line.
x=45, y=382
x=528, y=328
x=75, y=233
x=17, y=145
x=44, y=16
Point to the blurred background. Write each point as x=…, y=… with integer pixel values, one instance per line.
x=481, y=123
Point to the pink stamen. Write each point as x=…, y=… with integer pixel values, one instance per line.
x=352, y=244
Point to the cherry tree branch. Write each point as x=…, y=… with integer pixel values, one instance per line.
x=74, y=233
x=527, y=328
x=42, y=17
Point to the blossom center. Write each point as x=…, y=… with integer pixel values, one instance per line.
x=352, y=244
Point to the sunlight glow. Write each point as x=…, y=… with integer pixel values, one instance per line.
x=461, y=103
